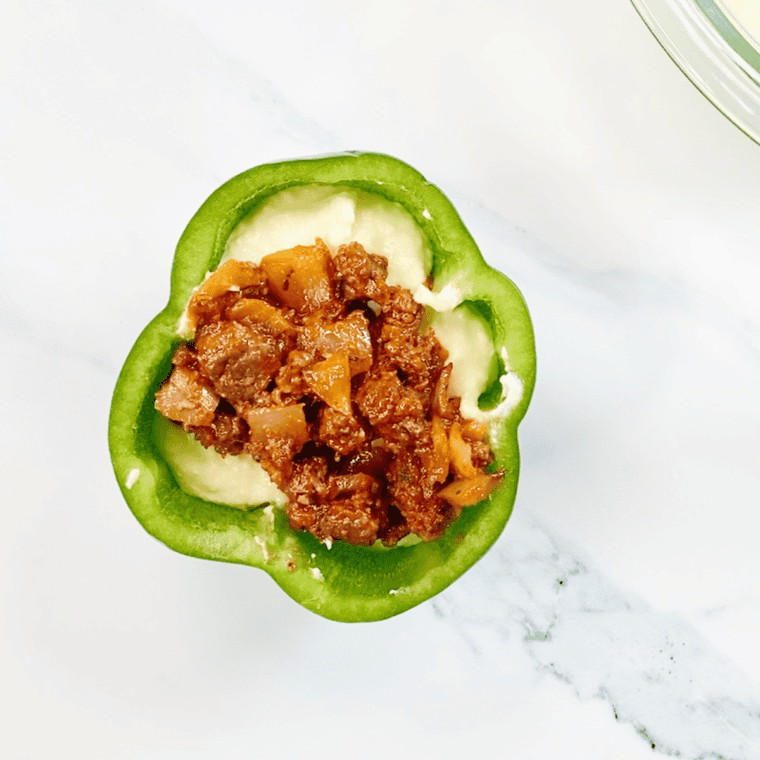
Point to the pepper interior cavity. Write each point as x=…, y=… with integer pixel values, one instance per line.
x=315, y=366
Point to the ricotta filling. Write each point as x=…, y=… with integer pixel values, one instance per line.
x=338, y=216
x=236, y=480
x=299, y=216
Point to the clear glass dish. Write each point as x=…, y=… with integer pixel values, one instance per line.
x=710, y=44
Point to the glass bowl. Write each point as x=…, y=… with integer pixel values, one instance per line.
x=716, y=43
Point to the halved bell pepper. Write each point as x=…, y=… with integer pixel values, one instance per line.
x=339, y=581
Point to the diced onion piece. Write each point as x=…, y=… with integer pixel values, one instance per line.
x=350, y=335
x=441, y=392
x=300, y=276
x=331, y=381
x=461, y=453
x=472, y=430
x=436, y=460
x=469, y=491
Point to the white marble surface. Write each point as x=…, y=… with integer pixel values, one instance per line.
x=618, y=615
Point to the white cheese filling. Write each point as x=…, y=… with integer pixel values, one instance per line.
x=237, y=480
x=337, y=216
x=300, y=216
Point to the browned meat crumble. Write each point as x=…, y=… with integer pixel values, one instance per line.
x=321, y=371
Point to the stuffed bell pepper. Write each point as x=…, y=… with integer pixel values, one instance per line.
x=333, y=391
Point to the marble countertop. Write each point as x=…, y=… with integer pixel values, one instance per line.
x=618, y=615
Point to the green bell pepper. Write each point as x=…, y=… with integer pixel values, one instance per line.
x=340, y=582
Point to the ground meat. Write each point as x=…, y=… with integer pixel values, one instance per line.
x=277, y=434
x=352, y=512
x=401, y=310
x=290, y=378
x=353, y=519
x=335, y=507
x=321, y=371
x=341, y=432
x=426, y=514
x=400, y=351
x=361, y=276
x=309, y=479
x=227, y=433
x=240, y=360
x=372, y=458
x=394, y=528
x=378, y=397
x=187, y=397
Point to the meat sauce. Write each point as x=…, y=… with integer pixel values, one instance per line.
x=320, y=370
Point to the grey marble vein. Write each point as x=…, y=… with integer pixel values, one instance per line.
x=656, y=672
